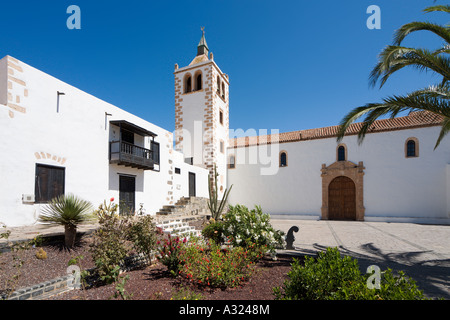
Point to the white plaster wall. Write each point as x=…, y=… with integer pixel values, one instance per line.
x=4, y=81
x=394, y=186
x=448, y=190
x=181, y=181
x=193, y=115
x=78, y=134
x=221, y=131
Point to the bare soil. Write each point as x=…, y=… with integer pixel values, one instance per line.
x=150, y=283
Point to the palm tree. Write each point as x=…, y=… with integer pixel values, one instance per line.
x=434, y=99
x=68, y=211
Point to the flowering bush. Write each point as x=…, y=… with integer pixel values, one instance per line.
x=214, y=231
x=206, y=263
x=169, y=253
x=247, y=227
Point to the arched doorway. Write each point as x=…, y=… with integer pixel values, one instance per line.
x=342, y=199
x=342, y=191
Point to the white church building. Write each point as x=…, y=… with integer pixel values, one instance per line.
x=59, y=140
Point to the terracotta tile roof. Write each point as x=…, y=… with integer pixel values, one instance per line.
x=198, y=59
x=417, y=119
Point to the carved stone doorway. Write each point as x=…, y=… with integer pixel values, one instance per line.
x=342, y=191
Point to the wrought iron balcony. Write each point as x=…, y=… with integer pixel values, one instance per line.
x=130, y=155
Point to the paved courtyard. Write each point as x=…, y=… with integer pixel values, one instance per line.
x=421, y=251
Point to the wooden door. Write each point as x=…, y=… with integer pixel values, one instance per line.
x=127, y=194
x=342, y=199
x=191, y=184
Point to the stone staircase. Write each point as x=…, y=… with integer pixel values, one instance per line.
x=179, y=228
x=175, y=219
x=186, y=206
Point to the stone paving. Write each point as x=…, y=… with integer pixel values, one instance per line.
x=421, y=251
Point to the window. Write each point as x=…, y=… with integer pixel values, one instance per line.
x=154, y=147
x=232, y=162
x=187, y=83
x=198, y=81
x=222, y=146
x=218, y=85
x=341, y=154
x=412, y=148
x=283, y=159
x=49, y=183
x=223, y=90
x=127, y=136
x=177, y=171
x=221, y=117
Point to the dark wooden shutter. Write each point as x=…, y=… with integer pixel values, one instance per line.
x=154, y=147
x=49, y=183
x=191, y=184
x=127, y=194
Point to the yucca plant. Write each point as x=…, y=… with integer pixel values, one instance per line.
x=395, y=57
x=68, y=211
x=214, y=204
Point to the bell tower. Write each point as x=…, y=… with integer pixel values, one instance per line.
x=202, y=112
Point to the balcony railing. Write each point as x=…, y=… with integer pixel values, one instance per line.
x=127, y=154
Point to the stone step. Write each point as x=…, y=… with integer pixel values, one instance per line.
x=173, y=219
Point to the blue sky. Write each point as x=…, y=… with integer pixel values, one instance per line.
x=292, y=64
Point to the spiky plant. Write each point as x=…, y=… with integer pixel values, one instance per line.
x=214, y=204
x=68, y=211
x=434, y=99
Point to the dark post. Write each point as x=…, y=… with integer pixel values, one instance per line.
x=290, y=238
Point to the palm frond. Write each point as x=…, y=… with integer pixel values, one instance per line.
x=395, y=58
x=441, y=8
x=444, y=131
x=408, y=28
x=66, y=210
x=428, y=99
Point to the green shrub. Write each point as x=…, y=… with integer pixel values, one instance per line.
x=214, y=231
x=142, y=232
x=109, y=246
x=332, y=277
x=210, y=265
x=245, y=227
x=117, y=235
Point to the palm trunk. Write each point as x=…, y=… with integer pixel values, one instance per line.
x=70, y=235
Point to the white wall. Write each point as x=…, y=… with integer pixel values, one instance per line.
x=193, y=113
x=77, y=134
x=394, y=186
x=3, y=80
x=181, y=181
